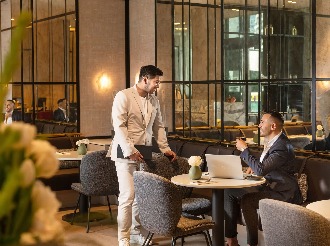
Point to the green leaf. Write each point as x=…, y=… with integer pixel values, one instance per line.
x=8, y=191
x=11, y=62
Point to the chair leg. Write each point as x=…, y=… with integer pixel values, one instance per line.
x=173, y=241
x=75, y=210
x=89, y=208
x=109, y=207
x=148, y=239
x=209, y=238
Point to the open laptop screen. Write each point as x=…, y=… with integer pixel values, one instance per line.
x=224, y=166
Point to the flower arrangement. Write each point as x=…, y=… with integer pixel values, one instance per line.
x=27, y=206
x=82, y=141
x=319, y=127
x=195, y=160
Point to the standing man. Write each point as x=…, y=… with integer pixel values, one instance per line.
x=276, y=164
x=136, y=119
x=60, y=113
x=11, y=114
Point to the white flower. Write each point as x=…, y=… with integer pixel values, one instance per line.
x=195, y=160
x=27, y=239
x=28, y=173
x=44, y=226
x=27, y=133
x=319, y=127
x=43, y=154
x=82, y=141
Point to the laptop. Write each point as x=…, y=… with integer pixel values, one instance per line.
x=224, y=166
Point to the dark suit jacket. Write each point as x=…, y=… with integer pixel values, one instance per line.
x=59, y=115
x=277, y=167
x=16, y=116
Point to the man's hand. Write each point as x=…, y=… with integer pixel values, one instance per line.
x=240, y=144
x=249, y=170
x=136, y=157
x=171, y=155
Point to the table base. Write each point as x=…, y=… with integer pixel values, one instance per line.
x=218, y=232
x=93, y=216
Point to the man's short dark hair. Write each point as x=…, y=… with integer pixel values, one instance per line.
x=150, y=71
x=60, y=100
x=277, y=116
x=10, y=100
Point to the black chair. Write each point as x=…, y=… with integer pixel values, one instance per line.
x=98, y=177
x=162, y=166
x=160, y=207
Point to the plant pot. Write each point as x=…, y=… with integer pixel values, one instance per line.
x=195, y=172
x=82, y=150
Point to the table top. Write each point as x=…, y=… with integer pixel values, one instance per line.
x=101, y=141
x=215, y=183
x=250, y=140
x=321, y=207
x=69, y=155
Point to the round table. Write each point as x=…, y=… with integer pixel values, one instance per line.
x=321, y=207
x=217, y=185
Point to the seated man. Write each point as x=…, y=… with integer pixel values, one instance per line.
x=276, y=165
x=60, y=113
x=11, y=114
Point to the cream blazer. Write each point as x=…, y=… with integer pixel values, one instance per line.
x=132, y=127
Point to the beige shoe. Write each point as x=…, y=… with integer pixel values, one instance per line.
x=138, y=239
x=124, y=242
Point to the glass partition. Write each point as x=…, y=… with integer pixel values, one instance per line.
x=48, y=67
x=232, y=60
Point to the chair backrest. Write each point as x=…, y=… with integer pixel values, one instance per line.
x=288, y=224
x=159, y=203
x=163, y=167
x=98, y=174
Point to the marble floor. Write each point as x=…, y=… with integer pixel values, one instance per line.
x=104, y=232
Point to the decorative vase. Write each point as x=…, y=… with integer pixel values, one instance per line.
x=319, y=133
x=82, y=150
x=195, y=172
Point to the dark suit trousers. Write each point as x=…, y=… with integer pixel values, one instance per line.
x=246, y=199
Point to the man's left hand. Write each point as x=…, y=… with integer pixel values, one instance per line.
x=171, y=155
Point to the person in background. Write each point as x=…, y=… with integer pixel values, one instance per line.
x=136, y=119
x=276, y=165
x=60, y=113
x=11, y=114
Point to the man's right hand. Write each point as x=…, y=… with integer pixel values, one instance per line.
x=249, y=170
x=136, y=157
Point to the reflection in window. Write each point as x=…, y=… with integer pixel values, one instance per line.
x=48, y=66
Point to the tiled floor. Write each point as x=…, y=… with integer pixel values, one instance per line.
x=104, y=233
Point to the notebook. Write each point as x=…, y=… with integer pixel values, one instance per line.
x=146, y=151
x=224, y=166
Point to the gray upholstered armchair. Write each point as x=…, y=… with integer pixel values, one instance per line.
x=162, y=166
x=287, y=224
x=98, y=177
x=160, y=207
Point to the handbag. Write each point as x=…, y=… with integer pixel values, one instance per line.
x=146, y=151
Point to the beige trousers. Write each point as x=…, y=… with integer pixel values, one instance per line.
x=128, y=213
